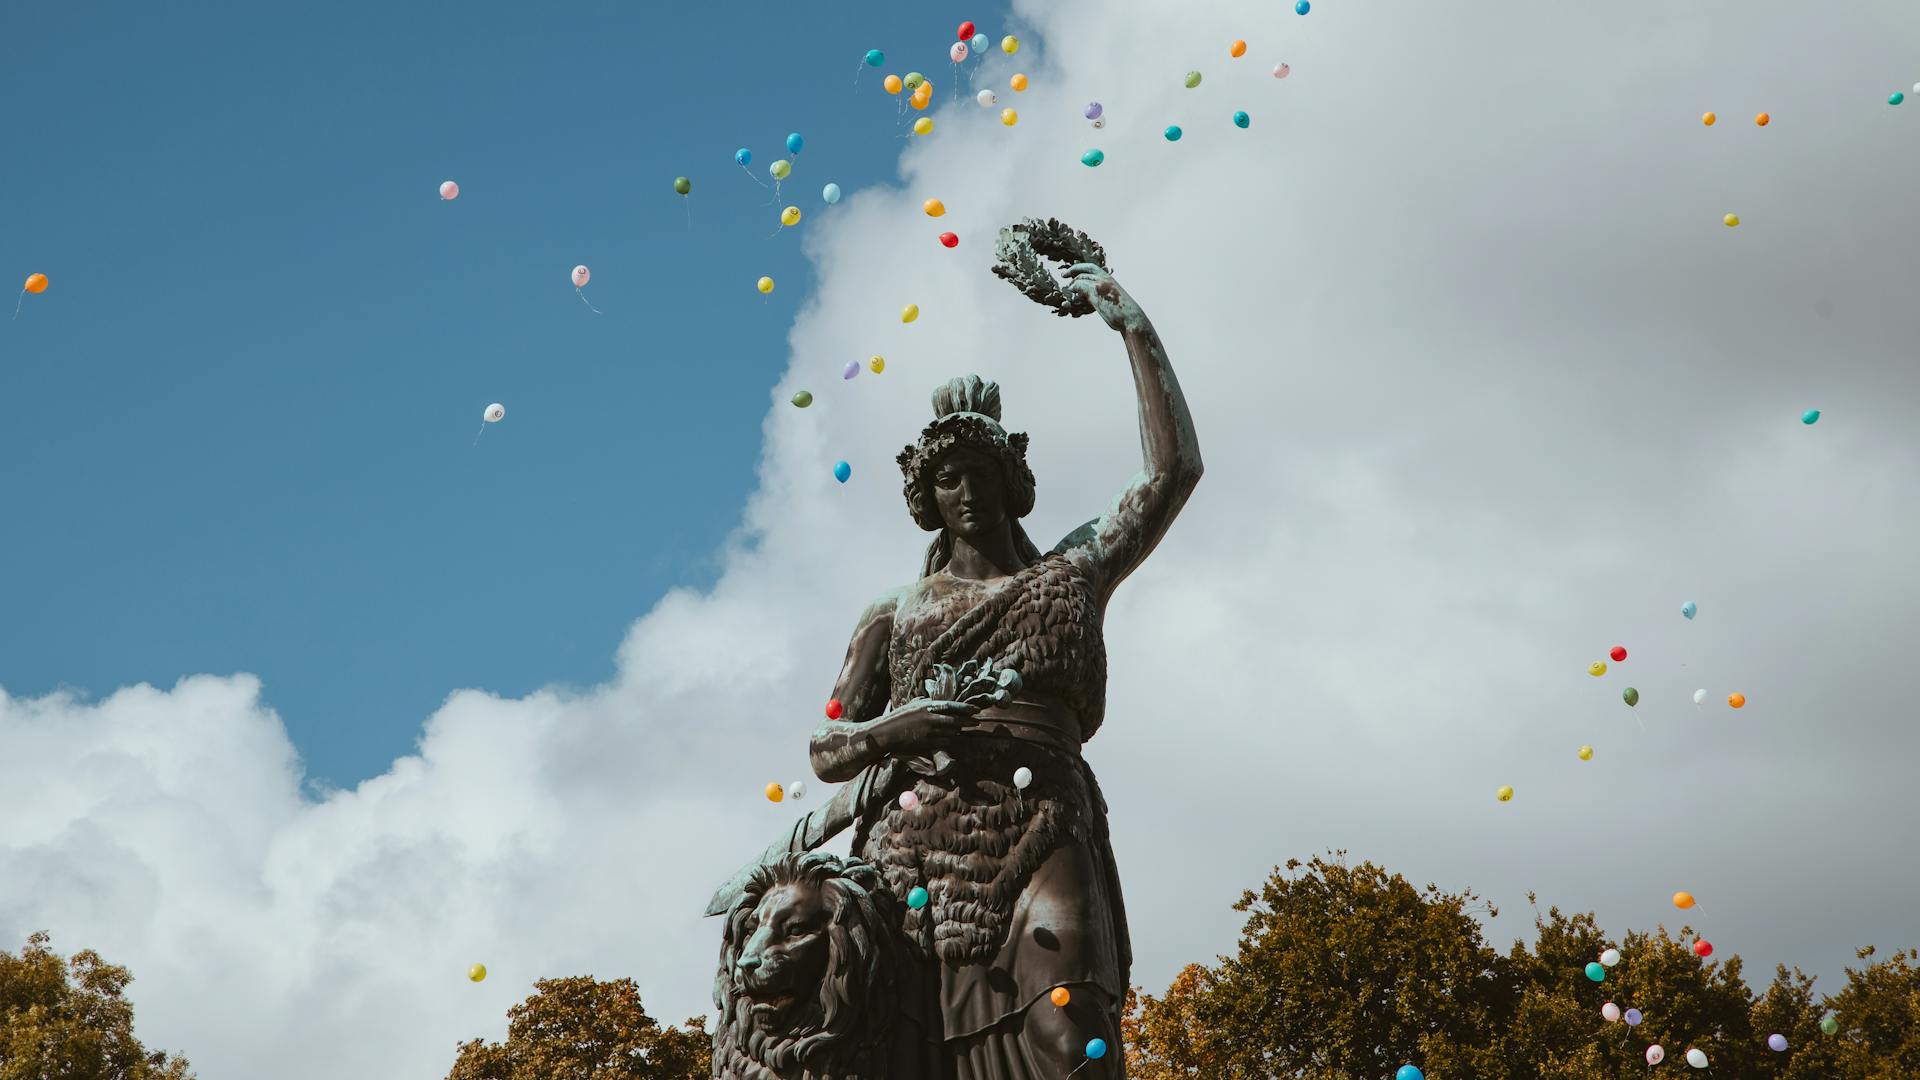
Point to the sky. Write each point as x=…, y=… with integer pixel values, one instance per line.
x=311, y=702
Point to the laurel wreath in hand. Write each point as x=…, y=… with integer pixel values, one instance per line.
x=1021, y=252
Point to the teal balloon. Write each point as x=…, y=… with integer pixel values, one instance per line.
x=1092, y=158
x=831, y=193
x=1173, y=132
x=794, y=143
x=1241, y=119
x=1630, y=696
x=1810, y=416
x=917, y=896
x=1096, y=1048
x=1596, y=972
x=841, y=471
x=875, y=58
x=1689, y=609
x=1896, y=98
x=1409, y=1072
x=1302, y=7
x=742, y=156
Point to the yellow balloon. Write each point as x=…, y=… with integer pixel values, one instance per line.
x=1009, y=44
x=910, y=313
x=765, y=285
x=1009, y=117
x=892, y=84
x=923, y=126
x=1505, y=794
x=1018, y=82
x=1597, y=668
x=790, y=216
x=878, y=364
x=774, y=793
x=1586, y=753
x=934, y=207
x=1731, y=220
x=477, y=972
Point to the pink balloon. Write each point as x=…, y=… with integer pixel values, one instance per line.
x=908, y=800
x=580, y=276
x=958, y=51
x=1655, y=1055
x=449, y=190
x=1610, y=1011
x=1280, y=72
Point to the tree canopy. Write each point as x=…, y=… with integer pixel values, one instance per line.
x=71, y=1019
x=581, y=1029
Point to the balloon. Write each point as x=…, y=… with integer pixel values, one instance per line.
x=1708, y=119
x=934, y=208
x=1810, y=416
x=1586, y=753
x=957, y=52
x=1504, y=794
x=909, y=313
x=779, y=169
x=1697, y=1057
x=891, y=83
x=1596, y=972
x=877, y=364
x=1736, y=700
x=1610, y=958
x=875, y=58
x=1302, y=7
x=790, y=216
x=1018, y=82
x=915, y=80
x=1618, y=652
x=1683, y=900
x=682, y=185
x=1630, y=696
x=580, y=276
x=1703, y=948
x=1009, y=117
x=1193, y=79
x=449, y=190
x=1763, y=119
x=742, y=156
x=36, y=284
x=852, y=369
x=1060, y=997
x=923, y=126
x=1280, y=71
x=1597, y=668
x=948, y=239
x=908, y=800
x=1100, y=123
x=1096, y=1048
x=477, y=972
x=830, y=194
x=1777, y=1043
x=1689, y=609
x=765, y=284
x=980, y=43
x=1610, y=1011
x=1731, y=220
x=1408, y=1072
x=986, y=99
x=797, y=790
x=967, y=30
x=494, y=413
x=1022, y=777
x=1655, y=1055
x=774, y=793
x=1828, y=1025
x=922, y=97
x=1237, y=49
x=1092, y=158
x=800, y=401
x=794, y=143
x=1700, y=697
x=841, y=471
x=1897, y=97
x=1011, y=45
x=1632, y=1017
x=1093, y=110
x=1173, y=133
x=917, y=898
x=1241, y=119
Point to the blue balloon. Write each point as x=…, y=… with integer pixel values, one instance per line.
x=1092, y=158
x=1409, y=1072
x=742, y=156
x=1173, y=132
x=794, y=143
x=1302, y=7
x=1096, y=1048
x=1241, y=119
x=1632, y=1017
x=842, y=470
x=1689, y=610
x=917, y=897
x=831, y=193
x=875, y=58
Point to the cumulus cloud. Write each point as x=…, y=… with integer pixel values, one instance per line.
x=1484, y=388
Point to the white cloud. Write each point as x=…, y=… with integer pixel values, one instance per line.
x=1484, y=388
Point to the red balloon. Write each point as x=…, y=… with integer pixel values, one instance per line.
x=949, y=239
x=966, y=30
x=1703, y=947
x=834, y=710
x=1619, y=653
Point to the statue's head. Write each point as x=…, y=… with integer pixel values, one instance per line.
x=967, y=477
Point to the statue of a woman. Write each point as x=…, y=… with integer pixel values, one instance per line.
x=1022, y=898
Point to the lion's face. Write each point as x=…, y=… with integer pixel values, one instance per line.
x=784, y=959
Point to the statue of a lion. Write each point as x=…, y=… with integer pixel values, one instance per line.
x=807, y=986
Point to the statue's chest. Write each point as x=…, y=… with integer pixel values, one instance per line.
x=1043, y=622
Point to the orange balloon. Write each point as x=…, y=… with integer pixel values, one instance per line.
x=934, y=207
x=1683, y=900
x=1736, y=700
x=1708, y=119
x=920, y=101
x=36, y=283
x=1060, y=996
x=774, y=793
x=892, y=84
x=1239, y=48
x=1763, y=119
x=1018, y=82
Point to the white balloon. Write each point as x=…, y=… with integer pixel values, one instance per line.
x=1610, y=1011
x=1699, y=697
x=958, y=52
x=830, y=193
x=1100, y=122
x=495, y=413
x=1280, y=71
x=1610, y=957
x=1022, y=776
x=1697, y=1058
x=580, y=276
x=1655, y=1055
x=986, y=99
x=797, y=790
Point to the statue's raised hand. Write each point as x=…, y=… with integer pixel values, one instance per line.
x=1096, y=286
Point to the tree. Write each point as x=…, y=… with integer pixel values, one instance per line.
x=72, y=1020
x=581, y=1029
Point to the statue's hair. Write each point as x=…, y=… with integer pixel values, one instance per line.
x=842, y=1032
x=966, y=413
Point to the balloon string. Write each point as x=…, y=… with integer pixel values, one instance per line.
x=689, y=215
x=752, y=177
x=17, y=303
x=584, y=300
x=477, y=434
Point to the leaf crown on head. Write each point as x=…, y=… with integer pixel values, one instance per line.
x=966, y=413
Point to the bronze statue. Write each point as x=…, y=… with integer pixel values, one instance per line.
x=967, y=695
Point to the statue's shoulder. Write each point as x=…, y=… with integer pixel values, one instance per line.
x=1078, y=538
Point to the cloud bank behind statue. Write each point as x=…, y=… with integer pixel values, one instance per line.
x=1487, y=388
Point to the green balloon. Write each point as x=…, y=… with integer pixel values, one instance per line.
x=1828, y=1025
x=682, y=185
x=1631, y=696
x=802, y=399
x=913, y=80
x=1193, y=79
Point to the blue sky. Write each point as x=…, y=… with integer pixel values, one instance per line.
x=238, y=427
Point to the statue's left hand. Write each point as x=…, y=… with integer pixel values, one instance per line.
x=1106, y=296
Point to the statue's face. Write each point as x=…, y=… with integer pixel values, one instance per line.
x=786, y=954
x=969, y=489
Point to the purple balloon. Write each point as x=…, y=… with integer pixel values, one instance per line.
x=1094, y=110
x=1777, y=1042
x=852, y=369
x=1632, y=1017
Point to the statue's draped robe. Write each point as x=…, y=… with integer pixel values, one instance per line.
x=1023, y=894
